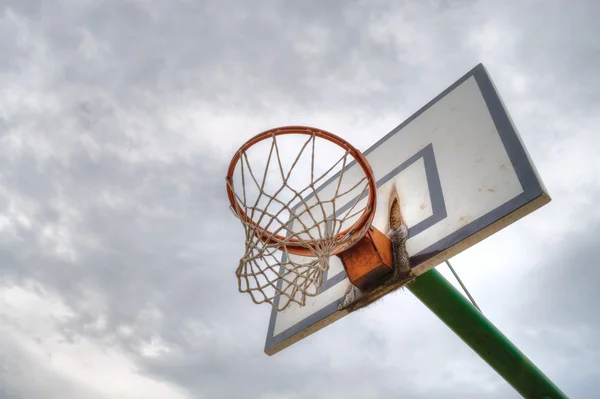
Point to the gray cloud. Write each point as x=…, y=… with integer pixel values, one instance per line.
x=116, y=200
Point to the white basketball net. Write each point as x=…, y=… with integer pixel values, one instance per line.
x=268, y=272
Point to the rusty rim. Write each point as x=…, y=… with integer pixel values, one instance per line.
x=358, y=229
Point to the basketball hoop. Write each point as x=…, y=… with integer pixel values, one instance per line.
x=285, y=260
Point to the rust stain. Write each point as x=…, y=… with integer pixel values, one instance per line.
x=502, y=166
x=491, y=190
x=395, y=212
x=465, y=219
x=423, y=205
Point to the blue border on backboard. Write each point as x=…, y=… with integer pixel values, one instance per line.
x=532, y=189
x=436, y=197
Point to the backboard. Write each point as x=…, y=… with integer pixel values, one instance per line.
x=462, y=174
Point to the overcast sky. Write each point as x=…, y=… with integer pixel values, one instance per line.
x=118, y=119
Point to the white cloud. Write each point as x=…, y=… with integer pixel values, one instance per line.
x=117, y=121
x=31, y=317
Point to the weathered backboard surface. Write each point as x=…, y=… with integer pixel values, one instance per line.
x=462, y=174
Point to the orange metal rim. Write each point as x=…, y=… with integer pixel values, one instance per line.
x=359, y=228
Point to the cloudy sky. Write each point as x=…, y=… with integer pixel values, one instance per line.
x=118, y=119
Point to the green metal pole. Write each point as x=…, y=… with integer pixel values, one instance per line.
x=482, y=336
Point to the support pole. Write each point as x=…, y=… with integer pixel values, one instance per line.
x=482, y=336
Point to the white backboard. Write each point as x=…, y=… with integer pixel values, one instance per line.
x=462, y=174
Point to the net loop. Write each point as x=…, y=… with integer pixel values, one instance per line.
x=288, y=241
